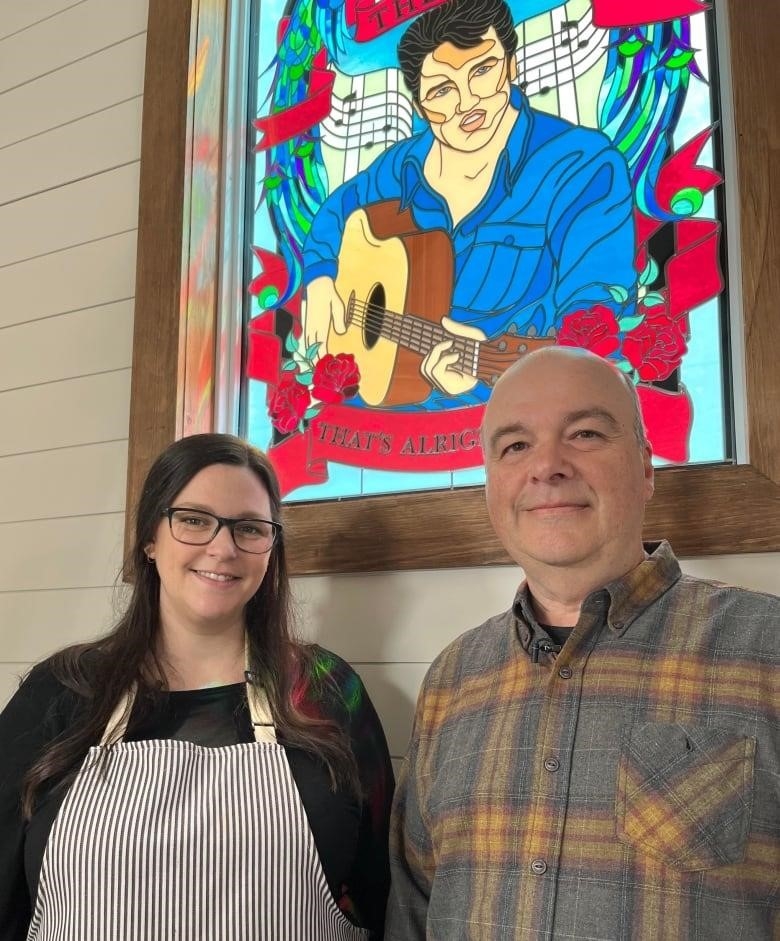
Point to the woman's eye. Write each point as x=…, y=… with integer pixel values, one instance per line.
x=248, y=529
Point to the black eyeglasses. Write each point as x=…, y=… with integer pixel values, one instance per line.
x=198, y=528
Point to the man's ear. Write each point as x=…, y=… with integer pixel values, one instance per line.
x=647, y=461
x=512, y=68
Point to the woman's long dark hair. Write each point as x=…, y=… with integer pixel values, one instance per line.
x=102, y=671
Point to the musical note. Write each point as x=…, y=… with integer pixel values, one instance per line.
x=558, y=58
x=359, y=122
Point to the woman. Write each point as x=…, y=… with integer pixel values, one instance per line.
x=196, y=773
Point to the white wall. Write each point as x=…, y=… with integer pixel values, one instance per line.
x=71, y=92
x=71, y=83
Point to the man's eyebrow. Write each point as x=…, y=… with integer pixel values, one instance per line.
x=511, y=428
x=594, y=412
x=488, y=58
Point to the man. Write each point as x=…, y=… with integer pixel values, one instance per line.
x=602, y=760
x=538, y=211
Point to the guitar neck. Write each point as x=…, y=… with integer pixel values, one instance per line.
x=420, y=336
x=484, y=360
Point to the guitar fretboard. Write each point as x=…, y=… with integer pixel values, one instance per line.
x=413, y=333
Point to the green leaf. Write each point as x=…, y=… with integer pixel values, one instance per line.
x=652, y=298
x=650, y=273
x=290, y=343
x=305, y=149
x=624, y=366
x=289, y=366
x=628, y=323
x=304, y=378
x=619, y=293
x=312, y=350
x=310, y=413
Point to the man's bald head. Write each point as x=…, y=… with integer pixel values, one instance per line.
x=573, y=354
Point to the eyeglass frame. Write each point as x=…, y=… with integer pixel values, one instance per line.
x=229, y=521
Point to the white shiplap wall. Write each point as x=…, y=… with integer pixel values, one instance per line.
x=71, y=92
x=71, y=82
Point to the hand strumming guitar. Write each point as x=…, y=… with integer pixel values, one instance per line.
x=440, y=366
x=322, y=307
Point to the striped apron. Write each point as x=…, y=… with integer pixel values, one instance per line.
x=168, y=840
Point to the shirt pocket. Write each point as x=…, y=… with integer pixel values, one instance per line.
x=504, y=266
x=685, y=794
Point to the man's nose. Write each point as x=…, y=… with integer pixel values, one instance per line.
x=549, y=460
x=468, y=100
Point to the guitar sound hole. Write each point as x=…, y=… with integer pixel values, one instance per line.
x=375, y=315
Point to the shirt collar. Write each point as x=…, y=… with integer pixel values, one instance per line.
x=624, y=598
x=508, y=165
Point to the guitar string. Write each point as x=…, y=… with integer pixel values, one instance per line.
x=487, y=363
x=418, y=330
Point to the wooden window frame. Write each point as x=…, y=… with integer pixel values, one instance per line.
x=702, y=510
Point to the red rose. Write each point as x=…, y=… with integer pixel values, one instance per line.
x=595, y=330
x=335, y=377
x=288, y=404
x=656, y=347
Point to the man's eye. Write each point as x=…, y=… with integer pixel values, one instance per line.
x=481, y=70
x=515, y=447
x=587, y=433
x=440, y=92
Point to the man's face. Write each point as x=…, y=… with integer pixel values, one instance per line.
x=567, y=481
x=465, y=92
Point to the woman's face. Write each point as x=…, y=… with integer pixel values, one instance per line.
x=206, y=588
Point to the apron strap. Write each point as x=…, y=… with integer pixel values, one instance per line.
x=259, y=712
x=117, y=725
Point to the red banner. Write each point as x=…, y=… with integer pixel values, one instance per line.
x=273, y=275
x=693, y=273
x=264, y=355
x=611, y=13
x=681, y=173
x=667, y=417
x=417, y=442
x=293, y=121
x=371, y=18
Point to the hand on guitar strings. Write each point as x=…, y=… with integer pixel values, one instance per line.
x=442, y=366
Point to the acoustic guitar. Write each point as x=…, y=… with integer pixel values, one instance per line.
x=396, y=283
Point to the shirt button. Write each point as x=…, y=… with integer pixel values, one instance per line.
x=538, y=867
x=565, y=673
x=551, y=764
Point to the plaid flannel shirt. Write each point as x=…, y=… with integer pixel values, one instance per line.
x=628, y=788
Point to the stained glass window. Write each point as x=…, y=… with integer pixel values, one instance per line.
x=437, y=187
